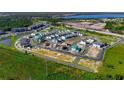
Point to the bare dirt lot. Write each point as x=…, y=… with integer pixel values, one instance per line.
x=53, y=54
x=90, y=64
x=93, y=52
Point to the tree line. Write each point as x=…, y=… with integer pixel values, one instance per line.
x=115, y=27
x=6, y=23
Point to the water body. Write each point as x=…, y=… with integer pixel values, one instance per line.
x=102, y=15
x=7, y=42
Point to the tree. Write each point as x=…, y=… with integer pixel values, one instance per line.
x=109, y=25
x=119, y=77
x=119, y=62
x=6, y=23
x=110, y=66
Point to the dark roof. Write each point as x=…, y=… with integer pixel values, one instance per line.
x=23, y=29
x=2, y=32
x=24, y=41
x=37, y=26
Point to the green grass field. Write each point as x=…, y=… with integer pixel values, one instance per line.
x=17, y=65
x=114, y=61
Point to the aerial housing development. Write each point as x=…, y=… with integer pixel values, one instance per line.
x=74, y=48
x=64, y=45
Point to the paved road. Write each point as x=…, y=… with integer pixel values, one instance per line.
x=102, y=32
x=108, y=33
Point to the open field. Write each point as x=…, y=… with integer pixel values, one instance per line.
x=90, y=64
x=114, y=61
x=107, y=39
x=53, y=54
x=17, y=65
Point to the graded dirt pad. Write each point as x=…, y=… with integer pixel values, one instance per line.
x=90, y=64
x=93, y=52
x=53, y=54
x=72, y=40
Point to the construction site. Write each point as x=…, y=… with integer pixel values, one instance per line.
x=65, y=46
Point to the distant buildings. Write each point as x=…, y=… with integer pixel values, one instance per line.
x=55, y=36
x=39, y=37
x=23, y=29
x=36, y=26
x=2, y=32
x=89, y=41
x=100, y=45
x=25, y=42
x=30, y=28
